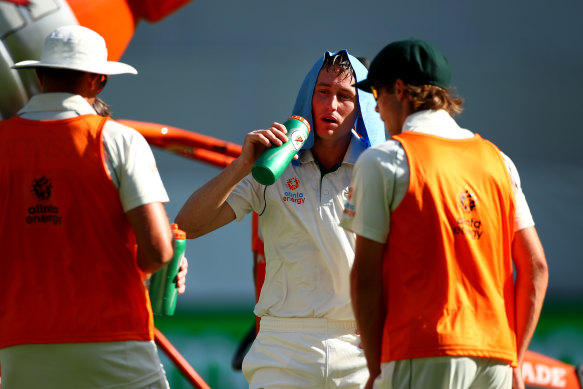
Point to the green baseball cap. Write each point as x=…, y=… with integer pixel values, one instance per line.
x=414, y=61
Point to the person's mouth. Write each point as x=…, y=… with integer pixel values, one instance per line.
x=329, y=119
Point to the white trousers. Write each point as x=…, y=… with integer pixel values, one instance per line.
x=445, y=373
x=305, y=353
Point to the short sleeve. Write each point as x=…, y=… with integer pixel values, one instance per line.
x=368, y=209
x=245, y=198
x=133, y=167
x=522, y=217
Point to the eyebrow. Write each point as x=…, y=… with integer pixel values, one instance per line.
x=327, y=84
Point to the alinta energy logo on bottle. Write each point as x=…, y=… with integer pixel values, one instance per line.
x=42, y=213
x=293, y=184
x=468, y=223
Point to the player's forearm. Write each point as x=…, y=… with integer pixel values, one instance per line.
x=529, y=300
x=369, y=313
x=530, y=285
x=206, y=209
x=366, y=292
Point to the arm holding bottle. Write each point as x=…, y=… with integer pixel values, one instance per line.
x=206, y=209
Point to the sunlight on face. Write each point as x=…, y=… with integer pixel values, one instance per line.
x=388, y=108
x=334, y=105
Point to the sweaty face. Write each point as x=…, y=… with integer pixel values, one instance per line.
x=334, y=105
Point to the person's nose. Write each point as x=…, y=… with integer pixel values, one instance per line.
x=332, y=103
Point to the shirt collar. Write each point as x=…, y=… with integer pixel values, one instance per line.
x=435, y=122
x=355, y=148
x=57, y=104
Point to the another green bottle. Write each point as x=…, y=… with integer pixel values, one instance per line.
x=163, y=289
x=273, y=161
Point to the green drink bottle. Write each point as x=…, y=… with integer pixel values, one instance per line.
x=163, y=289
x=273, y=161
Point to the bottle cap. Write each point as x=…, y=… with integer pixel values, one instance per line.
x=178, y=233
x=303, y=120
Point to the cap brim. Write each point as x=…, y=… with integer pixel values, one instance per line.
x=108, y=68
x=365, y=85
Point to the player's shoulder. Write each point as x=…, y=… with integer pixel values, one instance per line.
x=386, y=155
x=387, y=149
x=121, y=133
x=114, y=127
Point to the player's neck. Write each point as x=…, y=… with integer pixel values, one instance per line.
x=329, y=153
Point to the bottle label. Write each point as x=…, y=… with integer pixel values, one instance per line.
x=297, y=139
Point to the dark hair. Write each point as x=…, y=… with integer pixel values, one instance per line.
x=101, y=107
x=70, y=80
x=339, y=63
x=71, y=77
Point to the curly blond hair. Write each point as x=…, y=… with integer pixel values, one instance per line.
x=424, y=97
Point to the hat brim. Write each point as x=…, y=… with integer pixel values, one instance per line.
x=365, y=85
x=108, y=67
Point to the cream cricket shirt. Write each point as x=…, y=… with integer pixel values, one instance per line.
x=308, y=255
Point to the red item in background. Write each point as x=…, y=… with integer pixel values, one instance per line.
x=18, y=2
x=154, y=10
x=259, y=259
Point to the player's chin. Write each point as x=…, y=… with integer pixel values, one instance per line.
x=324, y=127
x=325, y=133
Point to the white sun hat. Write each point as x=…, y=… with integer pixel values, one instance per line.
x=77, y=48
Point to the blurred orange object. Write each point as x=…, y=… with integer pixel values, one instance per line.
x=112, y=19
x=116, y=20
